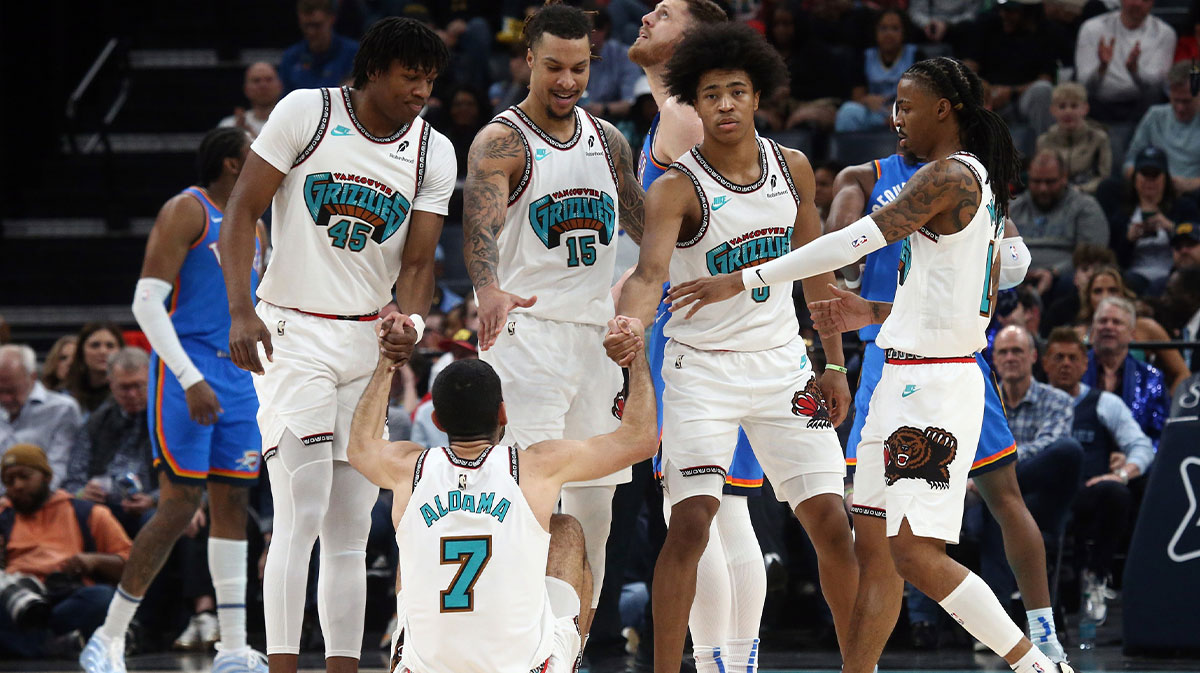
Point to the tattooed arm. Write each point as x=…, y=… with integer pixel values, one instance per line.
x=630, y=196
x=495, y=164
x=942, y=195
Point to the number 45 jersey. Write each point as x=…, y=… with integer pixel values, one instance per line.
x=343, y=210
x=559, y=240
x=473, y=567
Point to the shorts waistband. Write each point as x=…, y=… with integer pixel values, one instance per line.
x=895, y=357
x=366, y=317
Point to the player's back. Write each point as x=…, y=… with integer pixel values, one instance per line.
x=947, y=282
x=879, y=274
x=198, y=306
x=473, y=567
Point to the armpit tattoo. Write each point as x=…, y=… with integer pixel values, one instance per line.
x=631, y=199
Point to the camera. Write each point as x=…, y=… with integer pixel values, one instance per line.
x=23, y=598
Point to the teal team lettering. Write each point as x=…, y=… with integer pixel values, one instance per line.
x=329, y=195
x=457, y=501
x=750, y=249
x=570, y=210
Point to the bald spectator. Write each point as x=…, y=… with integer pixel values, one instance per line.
x=262, y=89
x=31, y=414
x=1175, y=128
x=1054, y=218
x=1122, y=58
x=323, y=58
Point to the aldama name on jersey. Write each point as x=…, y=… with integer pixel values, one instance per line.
x=572, y=209
x=457, y=501
x=330, y=195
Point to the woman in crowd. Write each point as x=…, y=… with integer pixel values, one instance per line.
x=87, y=378
x=58, y=363
x=1142, y=227
x=882, y=66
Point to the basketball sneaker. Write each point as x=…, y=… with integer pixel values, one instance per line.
x=103, y=654
x=242, y=660
x=1096, y=595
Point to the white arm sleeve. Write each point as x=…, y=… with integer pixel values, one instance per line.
x=831, y=251
x=150, y=310
x=1014, y=262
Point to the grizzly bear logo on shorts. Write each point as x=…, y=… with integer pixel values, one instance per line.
x=910, y=453
x=811, y=403
x=618, y=407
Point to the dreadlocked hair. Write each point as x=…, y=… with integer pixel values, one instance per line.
x=398, y=39
x=983, y=132
x=218, y=145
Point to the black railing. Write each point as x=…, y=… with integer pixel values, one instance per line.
x=83, y=114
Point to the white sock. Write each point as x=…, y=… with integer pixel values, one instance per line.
x=227, y=565
x=120, y=613
x=1034, y=662
x=973, y=605
x=741, y=655
x=708, y=659
x=1041, y=632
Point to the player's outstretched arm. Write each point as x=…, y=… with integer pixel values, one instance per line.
x=496, y=156
x=250, y=197
x=387, y=464
x=846, y=312
x=851, y=188
x=630, y=196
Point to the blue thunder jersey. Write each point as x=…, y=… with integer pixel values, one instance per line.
x=648, y=168
x=879, y=277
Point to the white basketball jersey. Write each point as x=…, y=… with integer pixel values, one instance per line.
x=740, y=226
x=473, y=563
x=341, y=215
x=559, y=240
x=948, y=282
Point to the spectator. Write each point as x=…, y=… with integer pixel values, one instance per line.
x=30, y=414
x=1011, y=52
x=402, y=402
x=1064, y=19
x=467, y=37
x=1182, y=306
x=1175, y=128
x=1122, y=58
x=459, y=120
x=945, y=20
x=1049, y=459
x=613, y=75
x=1054, y=218
x=323, y=58
x=506, y=93
x=87, y=379
x=426, y=431
x=263, y=89
x=1142, y=228
x=71, y=551
x=1112, y=368
x=58, y=363
x=824, y=173
x=877, y=75
x=1031, y=312
x=1185, y=245
x=1087, y=258
x=1115, y=451
x=1082, y=143
x=444, y=298
x=113, y=464
x=817, y=92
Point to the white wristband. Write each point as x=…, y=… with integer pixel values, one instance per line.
x=149, y=308
x=1014, y=262
x=831, y=251
x=419, y=323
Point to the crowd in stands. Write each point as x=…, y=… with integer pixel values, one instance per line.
x=1114, y=234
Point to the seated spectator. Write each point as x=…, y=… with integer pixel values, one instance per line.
x=1049, y=459
x=1122, y=58
x=1083, y=144
x=70, y=552
x=263, y=90
x=945, y=20
x=1174, y=128
x=1181, y=310
x=1185, y=245
x=610, y=86
x=1106, y=282
x=58, y=363
x=323, y=58
x=465, y=112
x=1115, y=451
x=1064, y=19
x=817, y=92
x=87, y=379
x=1054, y=218
x=113, y=463
x=1143, y=226
x=1087, y=258
x=1011, y=50
x=876, y=78
x=30, y=414
x=824, y=174
x=506, y=93
x=1112, y=368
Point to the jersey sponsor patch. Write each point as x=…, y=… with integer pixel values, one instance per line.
x=911, y=453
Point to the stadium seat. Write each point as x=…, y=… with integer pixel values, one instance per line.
x=799, y=139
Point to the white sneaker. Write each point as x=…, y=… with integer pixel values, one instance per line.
x=103, y=654
x=1096, y=594
x=207, y=626
x=241, y=660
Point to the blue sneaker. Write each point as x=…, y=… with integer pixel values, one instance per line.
x=103, y=654
x=242, y=660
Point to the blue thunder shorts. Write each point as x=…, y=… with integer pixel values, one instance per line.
x=997, y=447
x=229, y=451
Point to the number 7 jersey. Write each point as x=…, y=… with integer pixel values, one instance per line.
x=559, y=240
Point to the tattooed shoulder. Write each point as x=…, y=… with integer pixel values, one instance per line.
x=495, y=141
x=963, y=193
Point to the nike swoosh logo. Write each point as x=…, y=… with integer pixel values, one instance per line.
x=906, y=393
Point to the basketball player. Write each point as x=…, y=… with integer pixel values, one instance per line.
x=927, y=412
x=994, y=468
x=360, y=186
x=202, y=427
x=736, y=200
x=547, y=185
x=483, y=554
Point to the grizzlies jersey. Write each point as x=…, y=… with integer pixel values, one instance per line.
x=342, y=212
x=198, y=305
x=741, y=226
x=879, y=274
x=473, y=558
x=948, y=282
x=559, y=240
x=648, y=167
